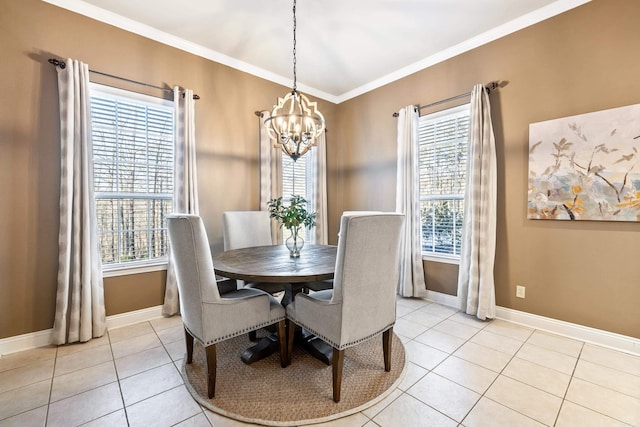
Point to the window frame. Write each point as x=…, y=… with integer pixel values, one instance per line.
x=149, y=264
x=309, y=185
x=453, y=111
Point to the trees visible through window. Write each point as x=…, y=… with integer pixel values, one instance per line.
x=443, y=139
x=133, y=143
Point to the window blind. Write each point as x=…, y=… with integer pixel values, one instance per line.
x=133, y=145
x=294, y=176
x=443, y=141
x=297, y=180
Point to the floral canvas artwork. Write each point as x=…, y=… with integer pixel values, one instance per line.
x=586, y=167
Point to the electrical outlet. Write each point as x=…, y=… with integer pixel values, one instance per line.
x=520, y=291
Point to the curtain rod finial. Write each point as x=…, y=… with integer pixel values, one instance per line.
x=496, y=84
x=57, y=63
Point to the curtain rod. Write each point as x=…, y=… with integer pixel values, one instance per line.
x=489, y=87
x=63, y=65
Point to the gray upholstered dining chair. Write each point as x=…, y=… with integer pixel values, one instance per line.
x=362, y=303
x=206, y=316
x=242, y=229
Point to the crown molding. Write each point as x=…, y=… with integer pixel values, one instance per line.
x=503, y=30
x=130, y=25
x=119, y=21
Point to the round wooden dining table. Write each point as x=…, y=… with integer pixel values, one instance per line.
x=272, y=264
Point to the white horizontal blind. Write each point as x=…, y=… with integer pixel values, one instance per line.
x=294, y=176
x=296, y=180
x=133, y=145
x=443, y=139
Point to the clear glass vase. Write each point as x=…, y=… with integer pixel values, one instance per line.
x=295, y=243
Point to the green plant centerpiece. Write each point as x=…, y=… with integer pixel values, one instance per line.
x=294, y=217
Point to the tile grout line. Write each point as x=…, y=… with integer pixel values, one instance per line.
x=564, y=397
x=571, y=376
x=115, y=368
x=499, y=373
x=173, y=363
x=549, y=346
x=438, y=364
x=53, y=374
x=498, y=376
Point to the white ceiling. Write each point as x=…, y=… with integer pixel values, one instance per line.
x=344, y=47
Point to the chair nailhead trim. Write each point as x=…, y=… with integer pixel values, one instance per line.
x=245, y=330
x=345, y=345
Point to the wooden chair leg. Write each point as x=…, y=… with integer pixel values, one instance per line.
x=386, y=348
x=283, y=341
x=291, y=329
x=211, y=370
x=188, y=339
x=253, y=336
x=337, y=363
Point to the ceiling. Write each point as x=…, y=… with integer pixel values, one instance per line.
x=344, y=47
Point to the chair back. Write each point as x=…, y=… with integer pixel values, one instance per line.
x=242, y=229
x=367, y=272
x=193, y=264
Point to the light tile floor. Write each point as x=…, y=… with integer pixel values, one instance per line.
x=461, y=372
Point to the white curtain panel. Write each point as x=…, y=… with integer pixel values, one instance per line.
x=411, y=282
x=319, y=196
x=475, y=277
x=80, y=311
x=270, y=173
x=185, y=180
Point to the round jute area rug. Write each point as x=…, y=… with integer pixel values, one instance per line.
x=267, y=394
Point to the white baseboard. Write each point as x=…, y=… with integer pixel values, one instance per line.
x=571, y=330
x=43, y=338
x=547, y=324
x=444, y=299
x=25, y=342
x=131, y=317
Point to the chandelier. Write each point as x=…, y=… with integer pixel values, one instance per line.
x=295, y=122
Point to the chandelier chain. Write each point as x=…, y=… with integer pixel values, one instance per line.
x=294, y=47
x=295, y=122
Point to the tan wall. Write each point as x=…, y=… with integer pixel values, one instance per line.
x=581, y=61
x=441, y=277
x=31, y=31
x=584, y=60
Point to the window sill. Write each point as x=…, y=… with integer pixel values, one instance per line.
x=114, y=271
x=441, y=258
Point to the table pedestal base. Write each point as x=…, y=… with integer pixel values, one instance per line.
x=268, y=345
x=316, y=347
x=265, y=347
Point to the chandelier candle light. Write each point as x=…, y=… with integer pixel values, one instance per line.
x=295, y=122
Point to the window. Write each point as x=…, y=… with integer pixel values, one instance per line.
x=133, y=144
x=298, y=179
x=443, y=140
